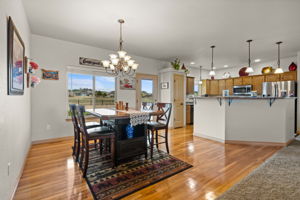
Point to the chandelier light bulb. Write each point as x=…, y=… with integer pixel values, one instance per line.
x=135, y=66
x=115, y=61
x=113, y=56
x=105, y=63
x=122, y=54
x=126, y=58
x=112, y=67
x=130, y=62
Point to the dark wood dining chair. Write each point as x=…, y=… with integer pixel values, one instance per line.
x=147, y=105
x=161, y=123
x=77, y=138
x=101, y=133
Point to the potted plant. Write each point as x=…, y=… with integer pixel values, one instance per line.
x=176, y=64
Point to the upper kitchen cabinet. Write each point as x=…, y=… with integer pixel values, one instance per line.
x=190, y=84
x=289, y=76
x=229, y=85
x=214, y=87
x=238, y=81
x=205, y=87
x=257, y=83
x=222, y=85
x=272, y=77
x=247, y=80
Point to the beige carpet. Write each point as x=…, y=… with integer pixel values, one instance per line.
x=277, y=178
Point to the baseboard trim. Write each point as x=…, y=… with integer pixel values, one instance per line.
x=283, y=144
x=21, y=173
x=209, y=138
x=52, y=140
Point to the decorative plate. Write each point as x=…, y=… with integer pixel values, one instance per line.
x=267, y=70
x=243, y=72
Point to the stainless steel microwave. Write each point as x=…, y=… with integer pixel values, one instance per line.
x=242, y=90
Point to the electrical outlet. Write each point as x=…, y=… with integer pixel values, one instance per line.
x=8, y=168
x=48, y=127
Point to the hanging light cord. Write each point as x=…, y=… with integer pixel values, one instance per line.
x=200, y=73
x=249, y=59
x=212, y=58
x=121, y=21
x=278, y=61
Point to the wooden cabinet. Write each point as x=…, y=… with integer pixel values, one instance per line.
x=190, y=84
x=222, y=85
x=247, y=80
x=188, y=114
x=205, y=87
x=214, y=87
x=272, y=77
x=229, y=85
x=238, y=81
x=257, y=83
x=289, y=76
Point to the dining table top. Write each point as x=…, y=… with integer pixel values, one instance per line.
x=110, y=113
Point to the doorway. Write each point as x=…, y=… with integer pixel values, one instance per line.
x=146, y=89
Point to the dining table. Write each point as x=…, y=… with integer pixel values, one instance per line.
x=130, y=127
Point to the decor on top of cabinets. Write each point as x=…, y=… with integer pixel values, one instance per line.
x=90, y=62
x=212, y=73
x=278, y=70
x=50, y=74
x=164, y=85
x=120, y=64
x=16, y=60
x=292, y=67
x=267, y=70
x=186, y=71
x=226, y=75
x=127, y=83
x=249, y=69
x=176, y=64
x=243, y=72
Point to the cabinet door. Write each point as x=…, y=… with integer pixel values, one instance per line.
x=272, y=77
x=190, y=85
x=188, y=114
x=222, y=86
x=214, y=87
x=238, y=81
x=257, y=83
x=229, y=85
x=247, y=80
x=205, y=87
x=289, y=76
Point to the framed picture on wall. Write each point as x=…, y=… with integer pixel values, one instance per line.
x=127, y=83
x=164, y=85
x=16, y=60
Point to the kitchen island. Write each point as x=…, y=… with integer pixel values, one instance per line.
x=235, y=119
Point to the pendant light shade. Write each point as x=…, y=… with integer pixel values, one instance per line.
x=200, y=76
x=249, y=68
x=278, y=69
x=212, y=72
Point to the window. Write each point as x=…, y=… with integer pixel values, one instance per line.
x=196, y=89
x=92, y=91
x=147, y=90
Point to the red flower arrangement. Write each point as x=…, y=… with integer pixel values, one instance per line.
x=34, y=65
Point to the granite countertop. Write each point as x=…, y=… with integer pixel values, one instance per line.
x=241, y=97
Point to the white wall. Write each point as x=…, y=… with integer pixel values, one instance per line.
x=15, y=130
x=284, y=62
x=50, y=97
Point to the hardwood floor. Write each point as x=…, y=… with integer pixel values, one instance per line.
x=50, y=172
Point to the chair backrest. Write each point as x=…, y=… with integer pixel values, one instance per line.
x=167, y=109
x=147, y=105
x=81, y=119
x=73, y=115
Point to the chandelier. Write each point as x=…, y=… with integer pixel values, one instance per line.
x=120, y=63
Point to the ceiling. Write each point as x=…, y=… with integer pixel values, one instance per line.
x=166, y=29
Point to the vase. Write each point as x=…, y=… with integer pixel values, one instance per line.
x=129, y=131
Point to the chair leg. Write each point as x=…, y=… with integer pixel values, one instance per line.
x=166, y=137
x=86, y=159
x=148, y=136
x=77, y=149
x=112, y=151
x=101, y=147
x=156, y=139
x=152, y=143
x=81, y=153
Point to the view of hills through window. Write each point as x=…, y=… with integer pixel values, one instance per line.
x=147, y=90
x=91, y=91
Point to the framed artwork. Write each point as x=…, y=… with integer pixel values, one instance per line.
x=127, y=83
x=16, y=60
x=49, y=75
x=164, y=85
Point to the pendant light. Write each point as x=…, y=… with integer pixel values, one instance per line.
x=212, y=72
x=279, y=69
x=200, y=77
x=249, y=68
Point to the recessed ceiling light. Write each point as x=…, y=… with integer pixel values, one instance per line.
x=192, y=63
x=225, y=66
x=257, y=60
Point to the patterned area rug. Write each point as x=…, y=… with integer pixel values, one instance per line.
x=278, y=178
x=108, y=183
